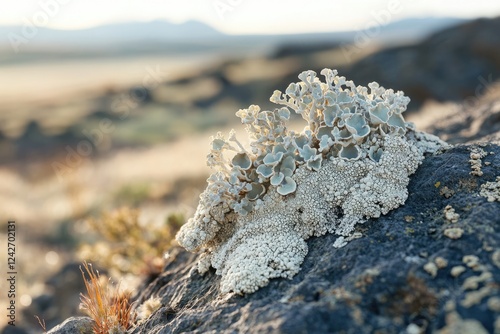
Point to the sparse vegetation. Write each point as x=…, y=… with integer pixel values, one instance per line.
x=132, y=194
x=109, y=307
x=127, y=245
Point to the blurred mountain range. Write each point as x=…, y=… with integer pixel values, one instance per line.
x=191, y=36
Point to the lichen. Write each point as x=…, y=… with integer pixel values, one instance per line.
x=476, y=155
x=441, y=262
x=491, y=190
x=450, y=215
x=457, y=271
x=351, y=162
x=146, y=309
x=471, y=261
x=454, y=232
x=472, y=283
x=431, y=269
x=446, y=192
x=455, y=324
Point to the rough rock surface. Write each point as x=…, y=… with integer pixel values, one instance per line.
x=412, y=270
x=74, y=325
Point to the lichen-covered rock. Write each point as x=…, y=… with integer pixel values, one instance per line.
x=352, y=162
x=376, y=283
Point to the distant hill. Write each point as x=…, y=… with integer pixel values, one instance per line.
x=454, y=64
x=115, y=34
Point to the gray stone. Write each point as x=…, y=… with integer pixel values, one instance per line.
x=74, y=325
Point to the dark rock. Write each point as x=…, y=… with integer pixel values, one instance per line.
x=140, y=94
x=288, y=50
x=34, y=145
x=374, y=283
x=74, y=325
x=32, y=140
x=101, y=114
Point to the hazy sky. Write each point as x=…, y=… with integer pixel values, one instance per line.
x=238, y=16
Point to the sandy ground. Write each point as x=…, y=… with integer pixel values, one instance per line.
x=42, y=82
x=54, y=198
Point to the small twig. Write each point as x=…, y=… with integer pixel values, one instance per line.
x=42, y=324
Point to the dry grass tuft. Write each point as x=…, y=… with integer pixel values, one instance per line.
x=110, y=308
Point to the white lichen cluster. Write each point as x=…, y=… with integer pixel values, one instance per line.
x=350, y=163
x=476, y=155
x=450, y=215
x=491, y=190
x=147, y=308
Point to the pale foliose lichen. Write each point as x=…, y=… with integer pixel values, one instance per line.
x=350, y=163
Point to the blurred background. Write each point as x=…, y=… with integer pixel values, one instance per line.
x=106, y=109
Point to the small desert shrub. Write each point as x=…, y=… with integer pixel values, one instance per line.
x=133, y=194
x=125, y=245
x=109, y=307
